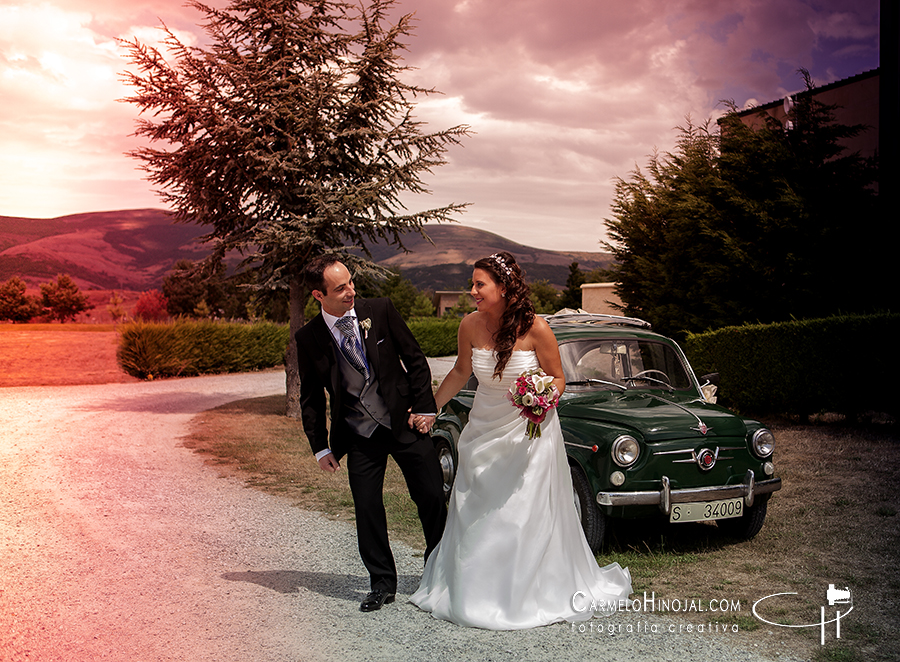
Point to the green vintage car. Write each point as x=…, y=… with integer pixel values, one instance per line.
x=643, y=435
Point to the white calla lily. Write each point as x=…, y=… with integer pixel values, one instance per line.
x=542, y=382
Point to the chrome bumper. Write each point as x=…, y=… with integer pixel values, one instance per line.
x=665, y=497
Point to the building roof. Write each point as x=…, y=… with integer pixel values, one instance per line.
x=816, y=90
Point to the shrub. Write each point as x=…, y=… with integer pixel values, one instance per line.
x=437, y=337
x=115, y=307
x=844, y=364
x=185, y=348
x=151, y=306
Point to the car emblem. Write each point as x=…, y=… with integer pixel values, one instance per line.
x=706, y=459
x=702, y=429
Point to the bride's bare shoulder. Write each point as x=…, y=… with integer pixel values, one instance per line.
x=469, y=326
x=473, y=329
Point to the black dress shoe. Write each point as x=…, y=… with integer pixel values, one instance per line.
x=375, y=600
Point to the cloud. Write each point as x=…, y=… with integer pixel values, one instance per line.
x=63, y=130
x=563, y=95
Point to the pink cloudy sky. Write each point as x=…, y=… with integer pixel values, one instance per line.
x=564, y=95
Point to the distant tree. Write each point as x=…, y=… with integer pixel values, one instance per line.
x=115, y=308
x=745, y=225
x=422, y=306
x=402, y=293
x=272, y=305
x=291, y=135
x=599, y=275
x=462, y=308
x=184, y=289
x=406, y=297
x=545, y=297
x=571, y=296
x=202, y=310
x=197, y=290
x=15, y=305
x=151, y=306
x=63, y=300
x=312, y=308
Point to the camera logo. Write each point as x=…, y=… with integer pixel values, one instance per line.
x=835, y=597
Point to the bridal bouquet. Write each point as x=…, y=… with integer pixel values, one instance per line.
x=534, y=394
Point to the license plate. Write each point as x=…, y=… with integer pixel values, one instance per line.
x=707, y=510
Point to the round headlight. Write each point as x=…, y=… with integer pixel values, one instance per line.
x=625, y=451
x=763, y=443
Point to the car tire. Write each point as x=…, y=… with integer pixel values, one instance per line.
x=749, y=524
x=448, y=463
x=593, y=521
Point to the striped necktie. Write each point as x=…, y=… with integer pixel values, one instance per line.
x=350, y=345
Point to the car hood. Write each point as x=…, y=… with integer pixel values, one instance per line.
x=654, y=417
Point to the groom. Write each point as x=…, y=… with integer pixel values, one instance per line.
x=364, y=356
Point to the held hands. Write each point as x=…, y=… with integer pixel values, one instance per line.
x=421, y=422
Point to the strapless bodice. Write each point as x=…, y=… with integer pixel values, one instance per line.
x=484, y=361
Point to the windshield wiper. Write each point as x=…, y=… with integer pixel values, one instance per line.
x=584, y=382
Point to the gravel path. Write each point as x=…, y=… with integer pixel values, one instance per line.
x=116, y=543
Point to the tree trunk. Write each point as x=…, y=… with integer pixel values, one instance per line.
x=291, y=373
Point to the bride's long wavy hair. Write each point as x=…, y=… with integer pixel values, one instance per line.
x=519, y=314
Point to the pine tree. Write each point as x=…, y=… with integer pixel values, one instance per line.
x=545, y=297
x=291, y=135
x=571, y=296
x=422, y=306
x=747, y=225
x=63, y=300
x=15, y=305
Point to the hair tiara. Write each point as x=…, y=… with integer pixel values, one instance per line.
x=502, y=264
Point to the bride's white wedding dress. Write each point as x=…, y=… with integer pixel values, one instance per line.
x=513, y=553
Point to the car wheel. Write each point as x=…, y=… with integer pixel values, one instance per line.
x=749, y=524
x=593, y=521
x=448, y=464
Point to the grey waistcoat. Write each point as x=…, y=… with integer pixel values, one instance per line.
x=363, y=408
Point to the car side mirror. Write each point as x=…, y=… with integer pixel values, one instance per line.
x=711, y=378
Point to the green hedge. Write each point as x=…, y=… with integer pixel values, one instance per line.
x=436, y=336
x=845, y=364
x=186, y=347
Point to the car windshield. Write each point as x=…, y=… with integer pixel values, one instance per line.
x=623, y=363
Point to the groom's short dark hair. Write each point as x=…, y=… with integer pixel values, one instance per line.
x=314, y=271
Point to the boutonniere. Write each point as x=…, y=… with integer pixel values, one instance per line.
x=365, y=325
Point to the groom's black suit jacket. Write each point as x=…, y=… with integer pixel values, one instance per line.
x=404, y=386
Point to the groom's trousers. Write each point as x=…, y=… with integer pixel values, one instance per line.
x=366, y=464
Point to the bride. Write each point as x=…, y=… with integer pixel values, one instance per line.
x=513, y=554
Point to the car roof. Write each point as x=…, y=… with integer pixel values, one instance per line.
x=573, y=325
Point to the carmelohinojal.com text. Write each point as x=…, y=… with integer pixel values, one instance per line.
x=582, y=602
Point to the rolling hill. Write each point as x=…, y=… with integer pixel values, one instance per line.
x=134, y=249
